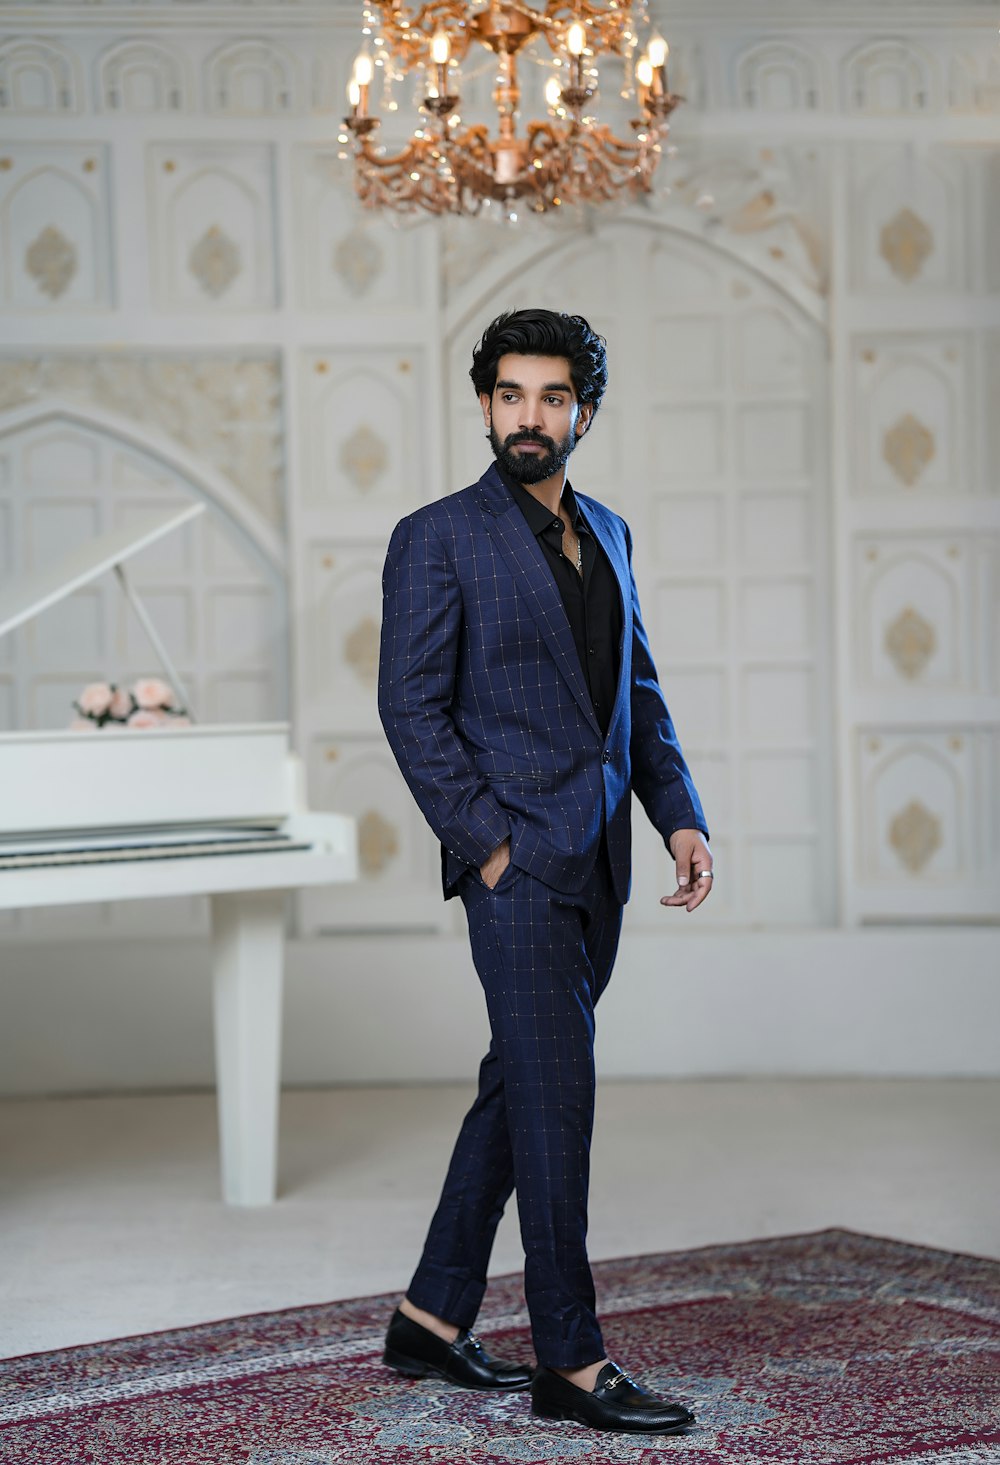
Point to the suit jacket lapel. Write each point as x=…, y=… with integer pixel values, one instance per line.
x=509, y=530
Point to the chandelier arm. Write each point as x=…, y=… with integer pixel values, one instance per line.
x=608, y=28
x=411, y=33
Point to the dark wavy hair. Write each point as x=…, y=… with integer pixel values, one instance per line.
x=544, y=333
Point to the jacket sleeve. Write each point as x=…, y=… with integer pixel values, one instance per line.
x=421, y=626
x=660, y=776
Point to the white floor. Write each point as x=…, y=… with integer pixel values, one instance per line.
x=110, y=1219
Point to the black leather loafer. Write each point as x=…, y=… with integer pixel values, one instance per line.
x=415, y=1352
x=616, y=1403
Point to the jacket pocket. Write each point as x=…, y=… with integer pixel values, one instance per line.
x=540, y=780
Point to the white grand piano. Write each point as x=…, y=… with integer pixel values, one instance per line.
x=203, y=810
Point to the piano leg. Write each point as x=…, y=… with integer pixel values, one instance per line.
x=248, y=937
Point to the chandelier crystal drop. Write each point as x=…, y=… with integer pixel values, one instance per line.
x=567, y=158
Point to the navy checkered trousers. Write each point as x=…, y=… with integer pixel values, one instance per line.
x=486, y=708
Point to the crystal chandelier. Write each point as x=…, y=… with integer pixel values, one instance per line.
x=568, y=158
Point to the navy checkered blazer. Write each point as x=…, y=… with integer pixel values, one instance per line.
x=486, y=706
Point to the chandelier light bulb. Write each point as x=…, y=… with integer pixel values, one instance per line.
x=644, y=72
x=658, y=51
x=553, y=91
x=440, y=49
x=353, y=93
x=576, y=39
x=364, y=69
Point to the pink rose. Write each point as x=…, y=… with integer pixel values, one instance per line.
x=151, y=692
x=121, y=704
x=144, y=718
x=95, y=699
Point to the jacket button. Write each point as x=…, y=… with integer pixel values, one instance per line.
x=605, y=757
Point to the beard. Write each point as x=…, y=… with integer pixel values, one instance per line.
x=527, y=468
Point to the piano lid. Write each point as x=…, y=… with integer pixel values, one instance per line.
x=84, y=562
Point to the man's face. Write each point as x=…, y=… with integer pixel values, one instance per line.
x=533, y=417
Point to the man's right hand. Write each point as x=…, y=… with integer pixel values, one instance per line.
x=496, y=864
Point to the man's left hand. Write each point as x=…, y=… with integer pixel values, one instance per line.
x=694, y=864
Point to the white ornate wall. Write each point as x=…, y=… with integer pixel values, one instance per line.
x=804, y=328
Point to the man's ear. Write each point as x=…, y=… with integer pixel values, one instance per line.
x=486, y=402
x=583, y=420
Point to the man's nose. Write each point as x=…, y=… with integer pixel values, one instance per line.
x=530, y=416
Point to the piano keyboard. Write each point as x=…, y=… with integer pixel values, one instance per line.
x=109, y=854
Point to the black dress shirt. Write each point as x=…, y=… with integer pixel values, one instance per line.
x=591, y=600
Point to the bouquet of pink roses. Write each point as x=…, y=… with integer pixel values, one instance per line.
x=149, y=702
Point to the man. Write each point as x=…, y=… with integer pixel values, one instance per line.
x=519, y=697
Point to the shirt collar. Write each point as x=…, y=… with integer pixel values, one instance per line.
x=536, y=513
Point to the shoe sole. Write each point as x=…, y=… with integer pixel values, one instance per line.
x=543, y=1412
x=415, y=1368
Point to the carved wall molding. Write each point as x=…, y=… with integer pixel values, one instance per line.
x=212, y=224
x=923, y=816
x=55, y=226
x=348, y=259
x=252, y=77
x=36, y=77
x=284, y=67
x=781, y=76
x=888, y=76
x=141, y=75
x=919, y=626
x=911, y=227
x=911, y=395
x=225, y=409
x=361, y=417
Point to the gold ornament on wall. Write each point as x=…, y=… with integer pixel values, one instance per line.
x=51, y=261
x=361, y=648
x=378, y=843
x=364, y=457
x=910, y=642
x=908, y=447
x=915, y=835
x=214, y=261
x=905, y=243
x=358, y=261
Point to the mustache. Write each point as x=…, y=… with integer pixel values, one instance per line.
x=529, y=437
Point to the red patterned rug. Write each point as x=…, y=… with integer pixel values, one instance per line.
x=826, y=1349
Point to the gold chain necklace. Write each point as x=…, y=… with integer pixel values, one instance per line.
x=579, y=548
